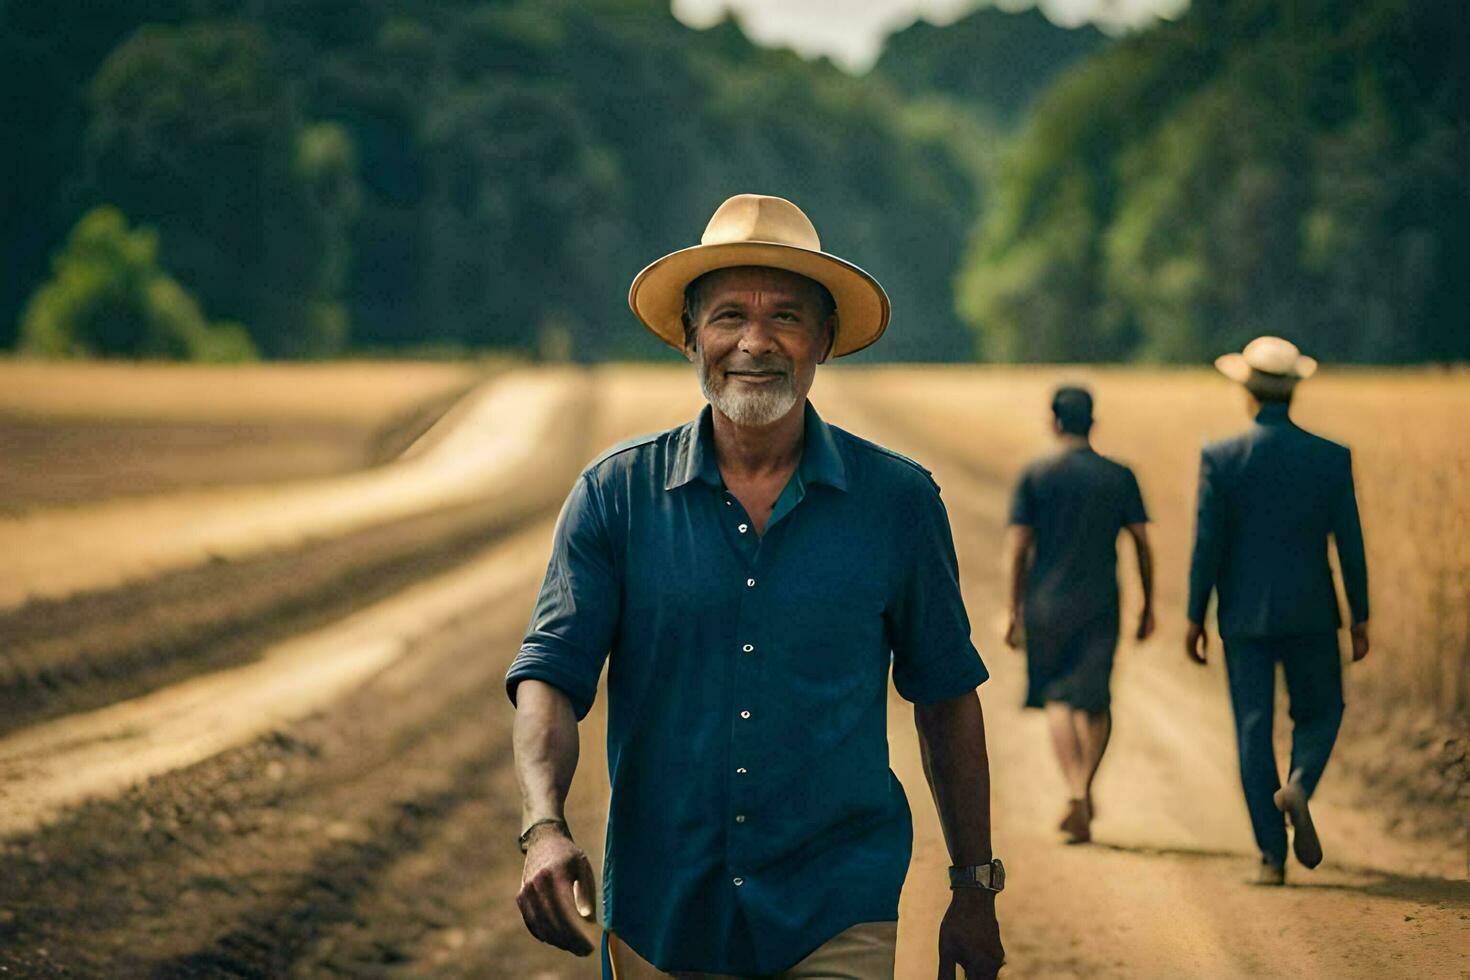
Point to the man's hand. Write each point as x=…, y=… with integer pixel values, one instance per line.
x=969, y=936
x=1013, y=632
x=557, y=886
x=1196, y=642
x=1360, y=641
x=1146, y=623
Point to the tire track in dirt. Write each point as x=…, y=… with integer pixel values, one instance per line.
x=243, y=864
x=345, y=843
x=59, y=656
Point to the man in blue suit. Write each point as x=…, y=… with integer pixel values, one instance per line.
x=1268, y=500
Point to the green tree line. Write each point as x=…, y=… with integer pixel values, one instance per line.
x=1296, y=167
x=389, y=174
x=318, y=177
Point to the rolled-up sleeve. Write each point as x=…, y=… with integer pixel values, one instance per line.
x=576, y=614
x=933, y=657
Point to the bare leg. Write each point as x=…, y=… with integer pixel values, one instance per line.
x=1068, y=747
x=1093, y=732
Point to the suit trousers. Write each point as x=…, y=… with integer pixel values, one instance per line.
x=1313, y=671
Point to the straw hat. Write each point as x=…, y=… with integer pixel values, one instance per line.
x=1267, y=355
x=753, y=229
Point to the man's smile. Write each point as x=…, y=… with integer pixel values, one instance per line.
x=756, y=377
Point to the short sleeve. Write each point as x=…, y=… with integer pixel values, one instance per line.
x=1023, y=506
x=1133, y=509
x=576, y=614
x=933, y=658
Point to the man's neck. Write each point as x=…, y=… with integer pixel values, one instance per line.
x=1071, y=441
x=754, y=451
x=1272, y=411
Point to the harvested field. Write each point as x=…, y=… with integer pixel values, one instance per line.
x=370, y=832
x=76, y=433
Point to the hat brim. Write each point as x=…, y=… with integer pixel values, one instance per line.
x=1237, y=369
x=657, y=294
x=1233, y=366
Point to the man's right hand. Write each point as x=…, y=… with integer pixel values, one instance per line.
x=1360, y=641
x=1013, y=632
x=1196, y=642
x=557, y=886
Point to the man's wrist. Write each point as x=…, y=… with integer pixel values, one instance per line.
x=554, y=825
x=988, y=875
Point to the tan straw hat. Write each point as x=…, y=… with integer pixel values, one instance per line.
x=753, y=229
x=1268, y=355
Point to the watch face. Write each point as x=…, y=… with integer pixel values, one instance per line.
x=997, y=875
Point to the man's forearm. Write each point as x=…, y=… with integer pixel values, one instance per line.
x=952, y=743
x=1017, y=558
x=1145, y=570
x=546, y=748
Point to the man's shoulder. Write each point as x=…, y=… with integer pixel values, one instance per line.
x=633, y=451
x=1266, y=446
x=1322, y=444
x=1219, y=450
x=888, y=463
x=1116, y=470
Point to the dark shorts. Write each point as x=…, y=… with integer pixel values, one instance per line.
x=1071, y=664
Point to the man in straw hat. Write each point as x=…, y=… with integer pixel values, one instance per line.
x=1268, y=499
x=751, y=577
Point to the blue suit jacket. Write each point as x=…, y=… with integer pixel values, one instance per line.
x=1268, y=499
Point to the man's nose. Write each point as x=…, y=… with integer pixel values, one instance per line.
x=757, y=338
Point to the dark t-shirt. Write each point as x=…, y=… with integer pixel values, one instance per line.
x=1076, y=502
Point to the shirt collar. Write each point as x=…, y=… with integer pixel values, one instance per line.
x=693, y=456
x=1274, y=413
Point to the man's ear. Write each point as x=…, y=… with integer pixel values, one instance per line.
x=831, y=326
x=688, y=338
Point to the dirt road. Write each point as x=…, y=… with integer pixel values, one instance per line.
x=371, y=833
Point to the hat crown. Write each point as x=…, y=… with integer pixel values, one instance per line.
x=1273, y=355
x=761, y=218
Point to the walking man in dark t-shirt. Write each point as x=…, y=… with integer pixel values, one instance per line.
x=1065, y=518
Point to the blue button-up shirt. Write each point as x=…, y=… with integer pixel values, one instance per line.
x=753, y=812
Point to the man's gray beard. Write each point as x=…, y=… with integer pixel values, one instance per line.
x=755, y=408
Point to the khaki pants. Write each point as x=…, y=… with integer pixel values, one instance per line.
x=864, y=952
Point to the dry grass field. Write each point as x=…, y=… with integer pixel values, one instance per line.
x=1411, y=460
x=1407, y=730
x=70, y=433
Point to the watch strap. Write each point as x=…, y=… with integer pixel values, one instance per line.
x=525, y=838
x=986, y=877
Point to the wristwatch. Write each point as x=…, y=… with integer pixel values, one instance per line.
x=989, y=877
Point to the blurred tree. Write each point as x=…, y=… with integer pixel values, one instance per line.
x=1256, y=167
x=994, y=62
x=108, y=298
x=49, y=50
x=197, y=130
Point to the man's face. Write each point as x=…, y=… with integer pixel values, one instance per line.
x=759, y=335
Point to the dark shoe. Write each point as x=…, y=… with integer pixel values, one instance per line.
x=1292, y=801
x=1270, y=874
x=1077, y=824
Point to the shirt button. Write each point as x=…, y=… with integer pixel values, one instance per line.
x=750, y=583
x=747, y=648
x=740, y=818
x=744, y=528
x=739, y=882
x=745, y=714
x=740, y=771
